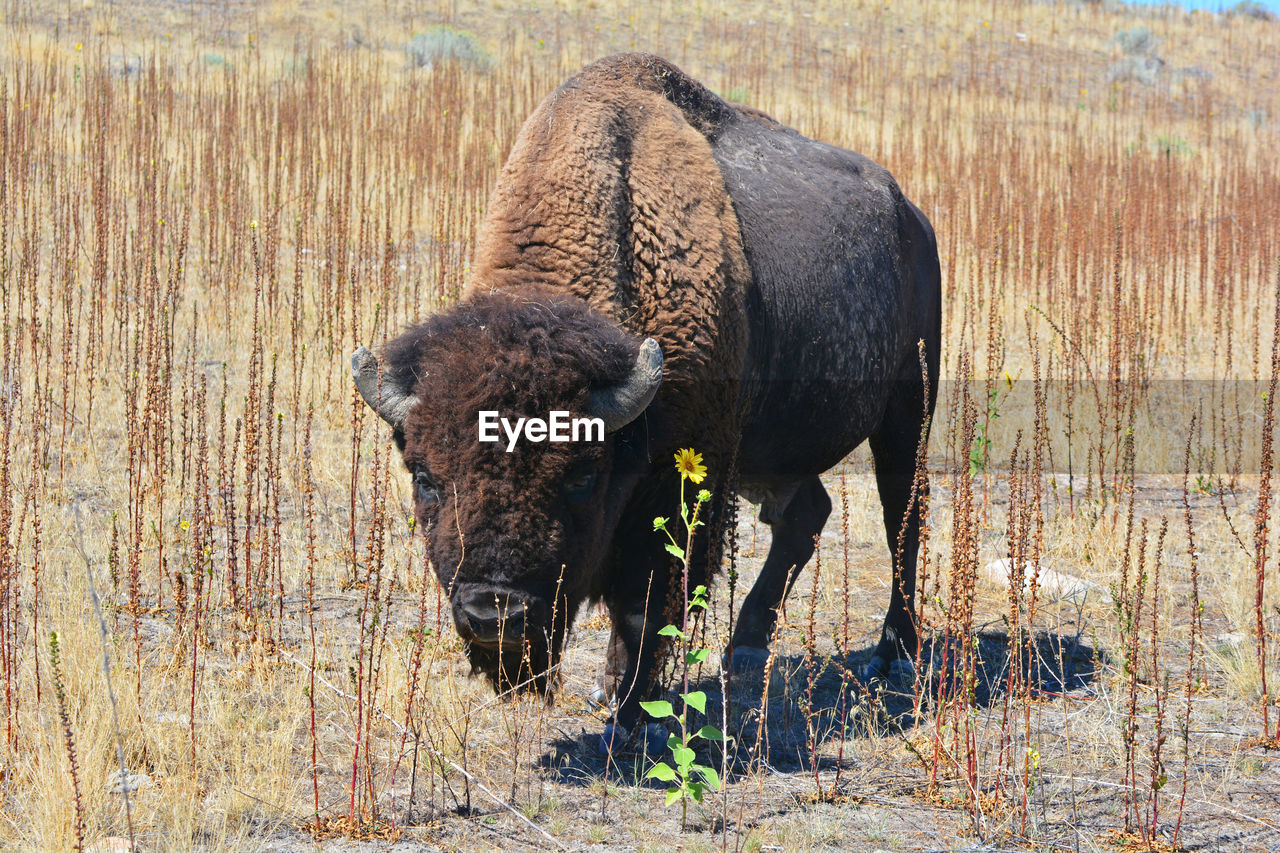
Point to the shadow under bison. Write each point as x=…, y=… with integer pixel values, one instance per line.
x=813, y=700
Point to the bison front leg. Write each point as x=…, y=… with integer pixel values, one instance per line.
x=639, y=610
x=615, y=665
x=794, y=521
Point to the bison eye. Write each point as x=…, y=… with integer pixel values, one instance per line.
x=425, y=490
x=578, y=487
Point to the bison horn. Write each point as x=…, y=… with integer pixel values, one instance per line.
x=619, y=405
x=392, y=402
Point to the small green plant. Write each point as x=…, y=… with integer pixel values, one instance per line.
x=688, y=779
x=1170, y=146
x=980, y=449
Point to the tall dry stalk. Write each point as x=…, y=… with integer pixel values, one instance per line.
x=1190, y=684
x=1262, y=517
x=68, y=737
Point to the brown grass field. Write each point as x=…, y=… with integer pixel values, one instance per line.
x=205, y=207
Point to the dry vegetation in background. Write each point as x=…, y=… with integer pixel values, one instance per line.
x=205, y=207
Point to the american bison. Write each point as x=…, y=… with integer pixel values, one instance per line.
x=693, y=274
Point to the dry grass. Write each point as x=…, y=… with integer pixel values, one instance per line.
x=204, y=208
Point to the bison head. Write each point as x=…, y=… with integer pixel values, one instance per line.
x=517, y=537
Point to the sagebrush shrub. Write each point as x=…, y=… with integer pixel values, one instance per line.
x=1137, y=41
x=445, y=44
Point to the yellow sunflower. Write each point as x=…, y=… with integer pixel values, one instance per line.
x=690, y=466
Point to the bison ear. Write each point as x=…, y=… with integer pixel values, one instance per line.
x=620, y=404
x=390, y=400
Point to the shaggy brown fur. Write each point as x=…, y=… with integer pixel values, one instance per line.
x=611, y=193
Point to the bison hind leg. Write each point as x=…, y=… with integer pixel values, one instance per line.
x=795, y=515
x=894, y=447
x=746, y=658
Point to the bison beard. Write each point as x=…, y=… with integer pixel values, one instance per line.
x=520, y=669
x=523, y=667
x=696, y=275
x=522, y=654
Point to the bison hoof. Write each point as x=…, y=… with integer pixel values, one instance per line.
x=746, y=658
x=602, y=698
x=612, y=739
x=650, y=738
x=898, y=671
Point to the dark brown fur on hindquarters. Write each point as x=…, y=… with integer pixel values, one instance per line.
x=787, y=284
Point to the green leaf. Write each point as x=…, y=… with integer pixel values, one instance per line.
x=660, y=523
x=682, y=755
x=699, y=591
x=662, y=772
x=695, y=791
x=710, y=733
x=696, y=656
x=673, y=794
x=713, y=778
x=674, y=549
x=696, y=700
x=674, y=742
x=671, y=631
x=659, y=709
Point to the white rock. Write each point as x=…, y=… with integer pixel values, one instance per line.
x=1052, y=585
x=1231, y=642
x=113, y=844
